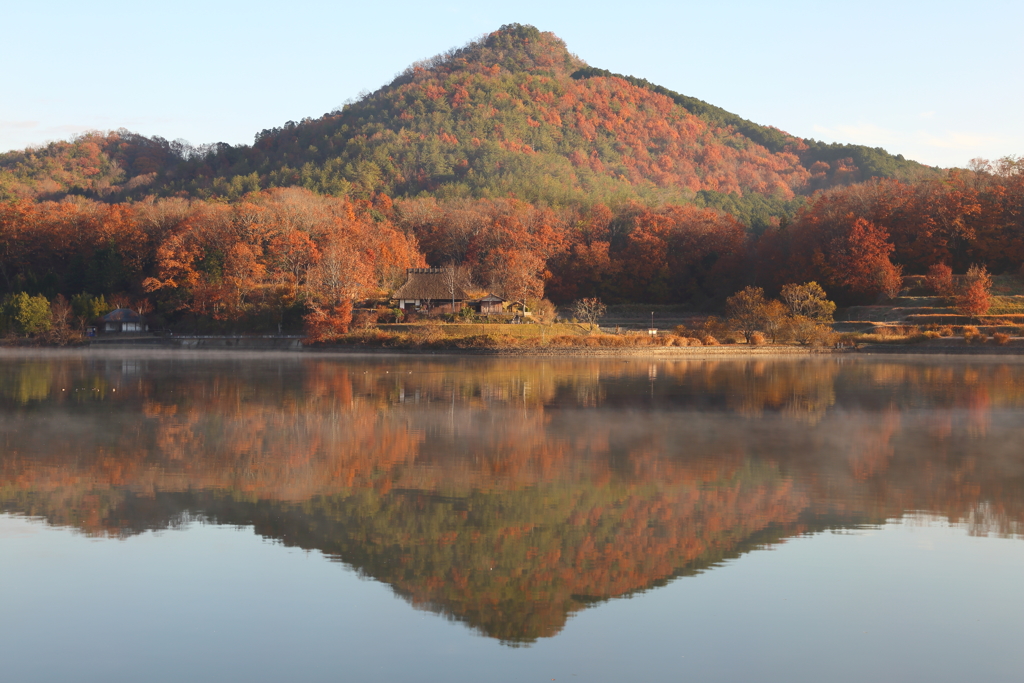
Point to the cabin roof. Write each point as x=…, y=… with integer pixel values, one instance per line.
x=122, y=315
x=428, y=283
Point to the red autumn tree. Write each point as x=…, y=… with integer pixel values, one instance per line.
x=859, y=259
x=940, y=279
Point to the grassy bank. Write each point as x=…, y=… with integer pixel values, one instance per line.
x=527, y=337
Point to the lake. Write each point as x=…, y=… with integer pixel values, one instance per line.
x=301, y=517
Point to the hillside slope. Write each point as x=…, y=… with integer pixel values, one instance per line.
x=514, y=113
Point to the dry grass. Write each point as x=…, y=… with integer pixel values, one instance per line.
x=892, y=334
x=437, y=337
x=940, y=330
x=455, y=330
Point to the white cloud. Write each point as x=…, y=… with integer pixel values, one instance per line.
x=17, y=125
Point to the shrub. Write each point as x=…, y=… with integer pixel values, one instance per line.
x=1001, y=338
x=61, y=331
x=327, y=323
x=364, y=319
x=808, y=301
x=972, y=334
x=491, y=341
x=372, y=337
x=809, y=332
x=563, y=340
x=708, y=340
x=757, y=339
x=714, y=327
x=389, y=315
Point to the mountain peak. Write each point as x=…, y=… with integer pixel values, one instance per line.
x=513, y=47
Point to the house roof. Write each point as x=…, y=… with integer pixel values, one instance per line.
x=122, y=315
x=428, y=283
x=490, y=298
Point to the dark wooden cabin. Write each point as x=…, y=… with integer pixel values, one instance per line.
x=122, y=320
x=492, y=303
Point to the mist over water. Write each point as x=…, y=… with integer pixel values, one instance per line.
x=227, y=507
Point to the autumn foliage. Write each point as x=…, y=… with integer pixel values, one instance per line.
x=974, y=295
x=510, y=158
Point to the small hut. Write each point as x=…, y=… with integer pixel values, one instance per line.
x=492, y=303
x=430, y=289
x=122, y=320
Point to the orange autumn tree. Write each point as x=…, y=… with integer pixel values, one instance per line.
x=341, y=276
x=277, y=250
x=974, y=296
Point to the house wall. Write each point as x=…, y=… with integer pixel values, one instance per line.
x=489, y=307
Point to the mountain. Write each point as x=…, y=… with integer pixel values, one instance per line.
x=513, y=113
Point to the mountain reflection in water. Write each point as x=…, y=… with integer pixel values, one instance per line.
x=510, y=493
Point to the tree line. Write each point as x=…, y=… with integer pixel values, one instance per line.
x=277, y=257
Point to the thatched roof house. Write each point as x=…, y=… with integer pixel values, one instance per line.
x=430, y=288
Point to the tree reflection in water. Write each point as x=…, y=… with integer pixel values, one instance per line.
x=510, y=493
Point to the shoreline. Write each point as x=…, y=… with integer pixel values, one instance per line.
x=235, y=346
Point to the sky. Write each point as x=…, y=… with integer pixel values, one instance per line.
x=939, y=82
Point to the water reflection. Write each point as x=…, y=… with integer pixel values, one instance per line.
x=511, y=493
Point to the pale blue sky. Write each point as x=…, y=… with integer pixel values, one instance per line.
x=936, y=81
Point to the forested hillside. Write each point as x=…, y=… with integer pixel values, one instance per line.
x=541, y=176
x=515, y=113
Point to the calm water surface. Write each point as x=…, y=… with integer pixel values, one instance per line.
x=318, y=518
